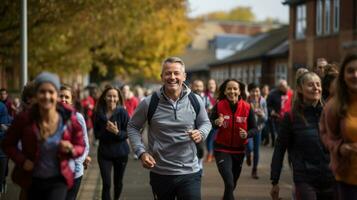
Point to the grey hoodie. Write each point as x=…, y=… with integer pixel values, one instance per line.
x=169, y=143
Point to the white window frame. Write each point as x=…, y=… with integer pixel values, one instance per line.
x=319, y=6
x=336, y=16
x=300, y=25
x=327, y=17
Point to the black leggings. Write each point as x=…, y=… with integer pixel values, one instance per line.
x=230, y=167
x=105, y=166
x=48, y=189
x=72, y=193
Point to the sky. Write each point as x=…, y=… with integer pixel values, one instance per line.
x=261, y=8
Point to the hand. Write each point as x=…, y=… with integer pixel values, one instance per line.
x=259, y=112
x=348, y=148
x=219, y=121
x=87, y=162
x=4, y=127
x=28, y=165
x=274, y=192
x=147, y=160
x=66, y=146
x=195, y=135
x=243, y=133
x=112, y=127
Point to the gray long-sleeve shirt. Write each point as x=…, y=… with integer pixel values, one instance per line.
x=169, y=143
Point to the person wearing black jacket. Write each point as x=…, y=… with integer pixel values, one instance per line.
x=235, y=122
x=299, y=135
x=110, y=128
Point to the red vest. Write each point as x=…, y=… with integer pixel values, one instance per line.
x=228, y=134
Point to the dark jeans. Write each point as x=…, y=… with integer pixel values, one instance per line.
x=48, y=189
x=229, y=166
x=170, y=187
x=72, y=193
x=253, y=145
x=306, y=191
x=105, y=166
x=346, y=191
x=265, y=132
x=3, y=172
x=274, y=128
x=210, y=140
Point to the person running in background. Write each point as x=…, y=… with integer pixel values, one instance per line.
x=4, y=98
x=51, y=137
x=211, y=95
x=235, y=122
x=5, y=121
x=66, y=96
x=328, y=82
x=279, y=103
x=265, y=134
x=259, y=106
x=110, y=128
x=338, y=129
x=299, y=135
x=319, y=69
x=130, y=101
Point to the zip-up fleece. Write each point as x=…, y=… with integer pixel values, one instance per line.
x=169, y=143
x=228, y=134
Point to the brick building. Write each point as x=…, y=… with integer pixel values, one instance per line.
x=321, y=28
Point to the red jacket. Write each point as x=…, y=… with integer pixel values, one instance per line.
x=24, y=129
x=228, y=134
x=130, y=105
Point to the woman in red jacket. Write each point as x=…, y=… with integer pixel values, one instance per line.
x=234, y=119
x=50, y=137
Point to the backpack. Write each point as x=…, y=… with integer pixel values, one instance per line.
x=154, y=101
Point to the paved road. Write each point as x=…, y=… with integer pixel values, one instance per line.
x=136, y=182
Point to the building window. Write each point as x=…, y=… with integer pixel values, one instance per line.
x=300, y=29
x=319, y=17
x=239, y=73
x=251, y=74
x=327, y=16
x=258, y=74
x=336, y=16
x=281, y=72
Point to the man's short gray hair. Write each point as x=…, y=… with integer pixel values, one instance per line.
x=173, y=60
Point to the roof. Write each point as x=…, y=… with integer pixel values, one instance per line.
x=290, y=2
x=197, y=59
x=282, y=49
x=230, y=41
x=262, y=44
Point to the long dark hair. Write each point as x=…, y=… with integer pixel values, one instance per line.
x=342, y=95
x=102, y=104
x=223, y=86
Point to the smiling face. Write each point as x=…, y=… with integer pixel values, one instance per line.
x=310, y=88
x=65, y=96
x=173, y=76
x=111, y=99
x=212, y=86
x=232, y=91
x=350, y=76
x=255, y=93
x=46, y=96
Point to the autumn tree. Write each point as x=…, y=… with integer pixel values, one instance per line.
x=72, y=36
x=239, y=13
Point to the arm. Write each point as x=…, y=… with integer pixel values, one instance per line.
x=252, y=124
x=202, y=120
x=213, y=116
x=77, y=138
x=282, y=142
x=82, y=122
x=12, y=138
x=135, y=124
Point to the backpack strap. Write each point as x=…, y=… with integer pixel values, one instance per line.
x=195, y=103
x=154, y=101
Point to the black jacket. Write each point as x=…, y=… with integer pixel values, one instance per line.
x=307, y=155
x=111, y=145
